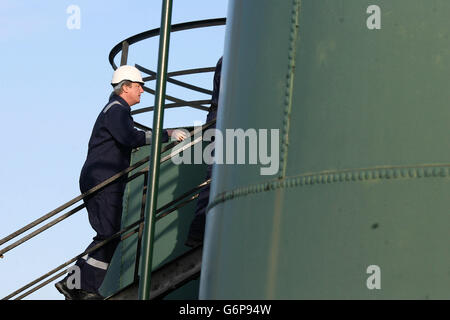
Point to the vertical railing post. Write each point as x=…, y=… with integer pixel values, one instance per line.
x=141, y=230
x=155, y=156
x=124, y=57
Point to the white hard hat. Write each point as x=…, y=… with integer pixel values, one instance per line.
x=129, y=73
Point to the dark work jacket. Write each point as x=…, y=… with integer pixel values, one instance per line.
x=197, y=226
x=112, y=140
x=215, y=95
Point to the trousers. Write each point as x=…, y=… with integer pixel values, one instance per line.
x=197, y=227
x=105, y=214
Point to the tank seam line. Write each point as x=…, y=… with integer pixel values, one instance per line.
x=289, y=86
x=337, y=176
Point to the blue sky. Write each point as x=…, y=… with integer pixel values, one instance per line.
x=54, y=82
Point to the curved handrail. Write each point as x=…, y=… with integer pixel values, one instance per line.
x=155, y=32
x=196, y=104
x=177, y=82
x=123, y=47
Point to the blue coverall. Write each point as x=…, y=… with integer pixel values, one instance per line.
x=112, y=140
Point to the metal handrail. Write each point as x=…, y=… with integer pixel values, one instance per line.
x=174, y=99
x=89, y=192
x=155, y=154
x=171, y=206
x=187, y=193
x=177, y=82
x=155, y=32
x=195, y=104
x=134, y=225
x=97, y=246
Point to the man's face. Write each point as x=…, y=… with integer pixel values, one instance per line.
x=132, y=94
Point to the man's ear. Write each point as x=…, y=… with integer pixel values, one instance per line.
x=126, y=88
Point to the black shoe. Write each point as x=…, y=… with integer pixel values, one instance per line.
x=70, y=294
x=86, y=295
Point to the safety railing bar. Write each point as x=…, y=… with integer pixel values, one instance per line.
x=181, y=197
x=189, y=86
x=185, y=147
x=40, y=220
x=184, y=72
x=172, y=154
x=132, y=231
x=97, y=246
x=145, y=128
x=96, y=188
x=42, y=285
x=141, y=126
x=141, y=227
x=178, y=206
x=124, y=57
x=151, y=91
x=197, y=104
x=173, y=99
x=57, y=220
x=137, y=226
x=80, y=197
x=184, y=195
x=61, y=273
x=41, y=229
x=155, y=32
x=204, y=127
x=175, y=143
x=192, y=133
x=73, y=201
x=174, y=81
x=126, y=236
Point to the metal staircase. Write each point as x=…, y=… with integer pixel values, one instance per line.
x=173, y=274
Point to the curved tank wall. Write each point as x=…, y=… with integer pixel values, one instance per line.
x=359, y=208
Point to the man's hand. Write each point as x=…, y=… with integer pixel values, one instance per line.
x=178, y=134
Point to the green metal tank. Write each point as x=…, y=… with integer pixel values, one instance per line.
x=359, y=207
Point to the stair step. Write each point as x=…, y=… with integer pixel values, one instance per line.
x=167, y=278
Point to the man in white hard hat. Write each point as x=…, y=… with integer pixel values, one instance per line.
x=112, y=140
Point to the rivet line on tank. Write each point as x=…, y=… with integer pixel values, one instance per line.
x=289, y=86
x=338, y=176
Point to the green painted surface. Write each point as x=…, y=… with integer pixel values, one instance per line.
x=171, y=230
x=364, y=156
